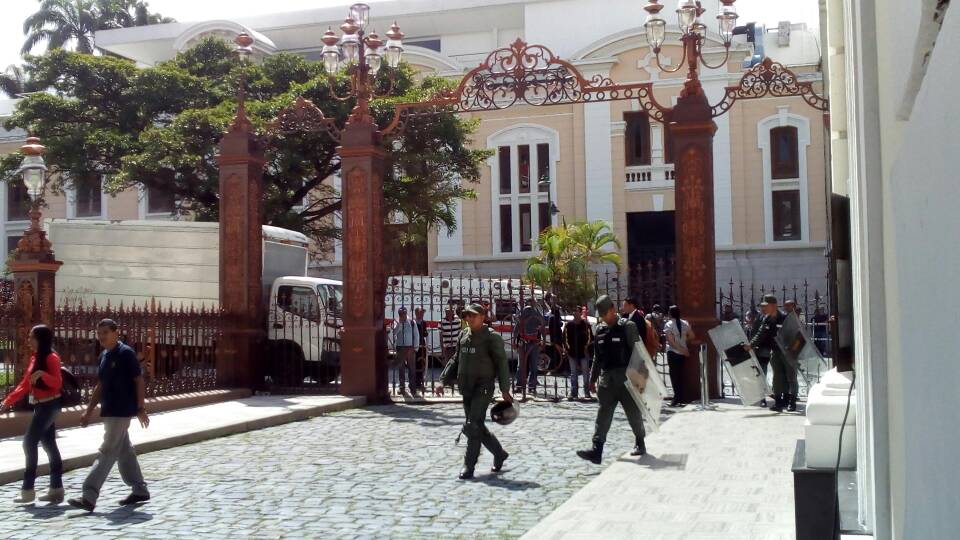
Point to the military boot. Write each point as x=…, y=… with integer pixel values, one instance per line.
x=498, y=462
x=778, y=403
x=466, y=473
x=594, y=455
x=791, y=402
x=640, y=449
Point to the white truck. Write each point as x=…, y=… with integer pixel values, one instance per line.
x=178, y=263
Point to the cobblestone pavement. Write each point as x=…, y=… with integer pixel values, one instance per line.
x=378, y=472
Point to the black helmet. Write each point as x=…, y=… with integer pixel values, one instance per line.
x=504, y=412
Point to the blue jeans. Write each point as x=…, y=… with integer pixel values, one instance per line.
x=43, y=431
x=581, y=365
x=529, y=356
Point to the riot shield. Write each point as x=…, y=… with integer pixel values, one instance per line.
x=642, y=372
x=798, y=349
x=741, y=365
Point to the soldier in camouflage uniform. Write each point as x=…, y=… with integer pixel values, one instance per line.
x=479, y=362
x=613, y=347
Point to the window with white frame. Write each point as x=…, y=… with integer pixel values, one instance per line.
x=524, y=179
x=85, y=197
x=783, y=139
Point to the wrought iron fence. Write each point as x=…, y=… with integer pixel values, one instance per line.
x=505, y=295
x=176, y=346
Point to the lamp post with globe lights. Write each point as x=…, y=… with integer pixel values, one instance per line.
x=33, y=266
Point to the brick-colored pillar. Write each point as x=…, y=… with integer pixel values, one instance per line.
x=241, y=162
x=692, y=129
x=363, y=354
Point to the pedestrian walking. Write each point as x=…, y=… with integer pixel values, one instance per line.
x=630, y=310
x=450, y=328
x=120, y=392
x=418, y=314
x=656, y=319
x=678, y=334
x=528, y=335
x=406, y=340
x=555, y=331
x=615, y=340
x=785, y=385
x=480, y=361
x=577, y=336
x=41, y=384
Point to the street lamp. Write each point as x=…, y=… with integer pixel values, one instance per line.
x=360, y=54
x=544, y=185
x=33, y=168
x=693, y=34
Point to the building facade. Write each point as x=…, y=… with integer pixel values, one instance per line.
x=604, y=161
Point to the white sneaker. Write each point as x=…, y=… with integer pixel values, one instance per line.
x=26, y=496
x=53, y=496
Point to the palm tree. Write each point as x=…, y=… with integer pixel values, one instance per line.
x=568, y=255
x=14, y=82
x=594, y=241
x=60, y=22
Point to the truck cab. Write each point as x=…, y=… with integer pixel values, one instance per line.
x=303, y=324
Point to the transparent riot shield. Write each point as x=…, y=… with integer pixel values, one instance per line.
x=799, y=350
x=742, y=366
x=642, y=372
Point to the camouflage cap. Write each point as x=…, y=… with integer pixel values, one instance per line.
x=768, y=299
x=475, y=309
x=603, y=304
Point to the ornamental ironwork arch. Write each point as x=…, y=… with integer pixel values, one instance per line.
x=525, y=74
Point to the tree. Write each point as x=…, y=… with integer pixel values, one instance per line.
x=568, y=258
x=60, y=22
x=160, y=127
x=14, y=82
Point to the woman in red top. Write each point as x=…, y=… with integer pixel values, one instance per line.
x=41, y=384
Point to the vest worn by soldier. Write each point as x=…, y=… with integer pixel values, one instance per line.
x=613, y=349
x=481, y=360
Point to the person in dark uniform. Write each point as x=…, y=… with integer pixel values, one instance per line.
x=480, y=361
x=614, y=342
x=784, y=375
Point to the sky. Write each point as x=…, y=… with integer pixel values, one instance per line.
x=768, y=12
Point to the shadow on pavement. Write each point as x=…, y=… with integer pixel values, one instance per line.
x=497, y=481
x=45, y=511
x=128, y=515
x=666, y=461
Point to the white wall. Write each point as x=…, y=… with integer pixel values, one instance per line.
x=566, y=26
x=922, y=223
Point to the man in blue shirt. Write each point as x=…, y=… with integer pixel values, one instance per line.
x=120, y=392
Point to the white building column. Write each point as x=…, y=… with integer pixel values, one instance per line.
x=598, y=161
x=722, y=188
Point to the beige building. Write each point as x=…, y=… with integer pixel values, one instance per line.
x=604, y=161
x=81, y=200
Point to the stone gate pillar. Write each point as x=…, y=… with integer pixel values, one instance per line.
x=34, y=269
x=692, y=129
x=241, y=162
x=363, y=353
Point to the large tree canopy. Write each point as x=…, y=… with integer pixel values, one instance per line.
x=160, y=127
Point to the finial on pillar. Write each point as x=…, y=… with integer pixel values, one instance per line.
x=243, y=50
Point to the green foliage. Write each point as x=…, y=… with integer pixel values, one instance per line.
x=160, y=126
x=568, y=257
x=61, y=22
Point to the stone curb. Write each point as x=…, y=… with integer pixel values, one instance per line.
x=286, y=417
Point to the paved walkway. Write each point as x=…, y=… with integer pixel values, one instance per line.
x=78, y=446
x=713, y=475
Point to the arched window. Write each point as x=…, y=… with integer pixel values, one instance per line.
x=524, y=177
x=783, y=139
x=637, y=138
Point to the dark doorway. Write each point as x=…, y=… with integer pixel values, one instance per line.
x=650, y=255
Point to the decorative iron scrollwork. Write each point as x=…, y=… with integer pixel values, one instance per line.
x=769, y=78
x=304, y=117
x=524, y=74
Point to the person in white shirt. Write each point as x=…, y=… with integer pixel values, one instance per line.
x=678, y=334
x=406, y=340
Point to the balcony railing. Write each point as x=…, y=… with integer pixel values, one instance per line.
x=650, y=177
